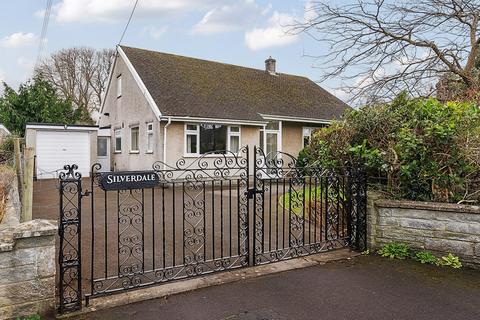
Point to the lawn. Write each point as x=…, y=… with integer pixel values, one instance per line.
x=309, y=196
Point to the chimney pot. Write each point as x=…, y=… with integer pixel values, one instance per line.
x=270, y=65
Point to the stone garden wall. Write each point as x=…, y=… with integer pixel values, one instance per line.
x=437, y=227
x=27, y=265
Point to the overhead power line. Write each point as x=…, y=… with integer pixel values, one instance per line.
x=43, y=34
x=128, y=22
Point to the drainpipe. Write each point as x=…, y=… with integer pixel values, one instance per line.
x=165, y=142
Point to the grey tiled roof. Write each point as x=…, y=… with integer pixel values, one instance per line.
x=183, y=86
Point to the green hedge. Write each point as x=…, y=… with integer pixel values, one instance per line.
x=419, y=149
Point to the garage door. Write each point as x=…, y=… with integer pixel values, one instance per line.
x=56, y=149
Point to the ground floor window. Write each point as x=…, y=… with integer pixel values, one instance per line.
x=134, y=133
x=211, y=138
x=149, y=137
x=307, y=135
x=270, y=137
x=118, y=140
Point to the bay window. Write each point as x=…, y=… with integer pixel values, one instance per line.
x=211, y=138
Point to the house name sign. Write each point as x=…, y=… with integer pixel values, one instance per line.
x=124, y=180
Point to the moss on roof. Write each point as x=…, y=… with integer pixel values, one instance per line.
x=183, y=86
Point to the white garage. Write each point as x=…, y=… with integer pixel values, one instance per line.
x=57, y=145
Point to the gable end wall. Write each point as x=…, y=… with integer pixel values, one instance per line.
x=131, y=109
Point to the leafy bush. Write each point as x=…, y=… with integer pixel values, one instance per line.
x=395, y=250
x=426, y=257
x=36, y=101
x=451, y=261
x=420, y=149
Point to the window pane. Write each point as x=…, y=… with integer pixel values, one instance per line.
x=102, y=147
x=191, y=127
x=234, y=129
x=272, y=143
x=118, y=144
x=261, y=139
x=134, y=141
x=191, y=143
x=234, y=144
x=306, y=141
x=213, y=137
x=150, y=126
x=150, y=142
x=119, y=86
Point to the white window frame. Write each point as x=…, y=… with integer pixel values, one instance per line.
x=119, y=86
x=149, y=133
x=230, y=134
x=192, y=132
x=310, y=131
x=196, y=132
x=278, y=131
x=138, y=139
x=118, y=134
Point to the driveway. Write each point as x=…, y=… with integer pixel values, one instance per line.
x=367, y=287
x=144, y=230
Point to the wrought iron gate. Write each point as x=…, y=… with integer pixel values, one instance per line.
x=305, y=209
x=196, y=221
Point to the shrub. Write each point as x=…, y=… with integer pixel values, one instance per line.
x=420, y=149
x=451, y=261
x=426, y=257
x=395, y=250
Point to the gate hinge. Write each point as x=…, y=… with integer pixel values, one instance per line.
x=251, y=192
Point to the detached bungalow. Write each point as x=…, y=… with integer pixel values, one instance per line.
x=163, y=107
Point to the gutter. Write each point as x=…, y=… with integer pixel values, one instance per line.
x=165, y=142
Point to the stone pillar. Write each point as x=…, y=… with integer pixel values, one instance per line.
x=27, y=269
x=372, y=220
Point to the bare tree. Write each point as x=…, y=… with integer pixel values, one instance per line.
x=382, y=47
x=79, y=74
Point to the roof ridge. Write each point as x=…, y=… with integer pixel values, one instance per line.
x=217, y=62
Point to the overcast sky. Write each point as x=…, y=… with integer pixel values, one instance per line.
x=241, y=32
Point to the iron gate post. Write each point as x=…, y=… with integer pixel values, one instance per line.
x=359, y=196
x=251, y=253
x=69, y=256
x=349, y=207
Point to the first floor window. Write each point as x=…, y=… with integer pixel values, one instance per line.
x=118, y=140
x=150, y=137
x=211, y=138
x=134, y=133
x=119, y=86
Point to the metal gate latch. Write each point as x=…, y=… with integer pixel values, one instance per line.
x=251, y=192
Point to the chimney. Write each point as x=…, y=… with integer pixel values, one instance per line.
x=270, y=65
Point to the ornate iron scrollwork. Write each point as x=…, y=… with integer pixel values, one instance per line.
x=70, y=239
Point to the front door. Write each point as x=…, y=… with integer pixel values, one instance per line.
x=103, y=153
